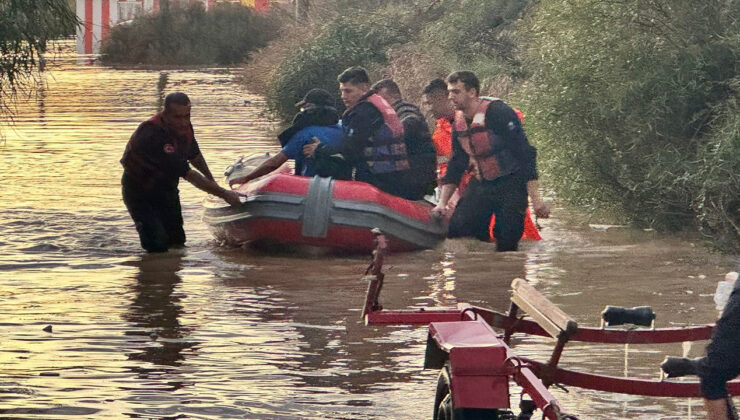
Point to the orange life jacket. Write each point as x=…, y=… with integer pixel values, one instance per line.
x=489, y=156
x=442, y=138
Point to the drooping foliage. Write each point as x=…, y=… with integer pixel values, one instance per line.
x=26, y=28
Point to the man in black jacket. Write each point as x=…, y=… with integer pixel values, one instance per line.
x=488, y=136
x=422, y=156
x=157, y=155
x=373, y=136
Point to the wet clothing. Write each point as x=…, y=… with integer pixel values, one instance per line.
x=723, y=352
x=506, y=195
x=420, y=149
x=361, y=124
x=320, y=122
x=155, y=159
x=156, y=214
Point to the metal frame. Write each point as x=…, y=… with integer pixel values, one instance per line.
x=534, y=377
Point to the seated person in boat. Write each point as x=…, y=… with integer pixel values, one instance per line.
x=419, y=146
x=723, y=358
x=157, y=155
x=373, y=136
x=317, y=119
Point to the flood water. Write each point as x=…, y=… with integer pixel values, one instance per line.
x=214, y=332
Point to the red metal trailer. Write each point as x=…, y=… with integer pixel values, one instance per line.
x=472, y=356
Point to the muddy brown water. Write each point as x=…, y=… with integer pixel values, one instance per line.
x=214, y=332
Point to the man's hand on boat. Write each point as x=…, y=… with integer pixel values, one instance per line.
x=211, y=187
x=232, y=197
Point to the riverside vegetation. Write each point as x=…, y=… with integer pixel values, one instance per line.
x=633, y=104
x=187, y=34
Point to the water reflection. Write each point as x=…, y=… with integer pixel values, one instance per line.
x=155, y=311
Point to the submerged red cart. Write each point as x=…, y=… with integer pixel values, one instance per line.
x=477, y=364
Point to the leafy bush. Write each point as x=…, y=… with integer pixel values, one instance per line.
x=188, y=34
x=626, y=97
x=347, y=40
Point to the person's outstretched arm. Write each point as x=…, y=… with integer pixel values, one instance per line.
x=265, y=168
x=211, y=187
x=199, y=162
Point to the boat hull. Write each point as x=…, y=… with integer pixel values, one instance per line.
x=322, y=212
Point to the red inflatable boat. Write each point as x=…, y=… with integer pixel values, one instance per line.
x=286, y=209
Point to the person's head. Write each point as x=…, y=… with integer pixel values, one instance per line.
x=463, y=88
x=316, y=97
x=353, y=84
x=388, y=89
x=177, y=110
x=435, y=99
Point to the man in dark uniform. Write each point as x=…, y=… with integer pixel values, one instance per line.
x=723, y=358
x=156, y=157
x=373, y=136
x=422, y=156
x=488, y=135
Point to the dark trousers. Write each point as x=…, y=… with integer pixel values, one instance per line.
x=506, y=197
x=723, y=352
x=405, y=184
x=157, y=215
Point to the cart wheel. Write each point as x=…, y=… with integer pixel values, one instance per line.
x=443, y=391
x=444, y=410
x=444, y=407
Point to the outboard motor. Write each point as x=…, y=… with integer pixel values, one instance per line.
x=617, y=315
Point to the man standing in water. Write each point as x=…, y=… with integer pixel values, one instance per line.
x=435, y=99
x=156, y=156
x=488, y=135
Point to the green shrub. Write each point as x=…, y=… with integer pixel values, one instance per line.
x=347, y=40
x=625, y=97
x=476, y=35
x=188, y=34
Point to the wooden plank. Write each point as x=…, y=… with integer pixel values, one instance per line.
x=551, y=318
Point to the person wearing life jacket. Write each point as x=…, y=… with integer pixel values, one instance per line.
x=436, y=101
x=317, y=119
x=421, y=153
x=488, y=135
x=157, y=155
x=373, y=136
